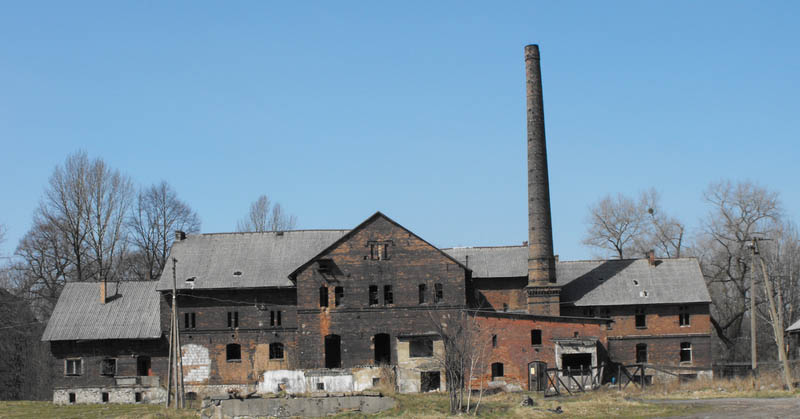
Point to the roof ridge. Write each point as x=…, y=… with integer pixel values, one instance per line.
x=271, y=231
x=483, y=247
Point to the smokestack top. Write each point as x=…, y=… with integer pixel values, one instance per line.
x=531, y=52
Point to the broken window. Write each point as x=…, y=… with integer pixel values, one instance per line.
x=505, y=307
x=379, y=250
x=422, y=290
x=683, y=315
x=421, y=348
x=686, y=352
x=323, y=296
x=233, y=319
x=388, y=296
x=73, y=367
x=338, y=296
x=274, y=318
x=497, y=370
x=641, y=353
x=373, y=295
x=641, y=318
x=536, y=337
x=189, y=320
x=276, y=350
x=108, y=367
x=105, y=397
x=438, y=295
x=430, y=381
x=72, y=398
x=233, y=352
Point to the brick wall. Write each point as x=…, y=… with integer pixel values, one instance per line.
x=411, y=262
x=494, y=293
x=662, y=350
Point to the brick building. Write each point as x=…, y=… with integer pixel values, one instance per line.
x=339, y=310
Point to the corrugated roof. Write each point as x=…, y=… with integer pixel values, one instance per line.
x=794, y=327
x=131, y=312
x=598, y=282
x=262, y=259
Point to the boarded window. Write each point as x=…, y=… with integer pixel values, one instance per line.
x=421, y=348
x=497, y=370
x=683, y=315
x=388, y=295
x=536, y=337
x=108, y=367
x=641, y=318
x=338, y=294
x=73, y=367
x=438, y=295
x=641, y=353
x=422, y=291
x=373, y=295
x=276, y=350
x=323, y=296
x=686, y=352
x=233, y=352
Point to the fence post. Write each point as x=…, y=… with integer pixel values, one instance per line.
x=619, y=377
x=642, y=367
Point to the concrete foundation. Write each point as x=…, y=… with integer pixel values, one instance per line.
x=305, y=407
x=114, y=394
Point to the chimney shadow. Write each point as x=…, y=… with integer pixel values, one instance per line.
x=587, y=282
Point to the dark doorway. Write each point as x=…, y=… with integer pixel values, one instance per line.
x=576, y=362
x=497, y=370
x=537, y=376
x=333, y=351
x=383, y=349
x=429, y=381
x=143, y=366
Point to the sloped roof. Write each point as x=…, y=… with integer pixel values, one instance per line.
x=264, y=259
x=598, y=282
x=794, y=327
x=130, y=312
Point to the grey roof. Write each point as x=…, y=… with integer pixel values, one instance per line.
x=263, y=259
x=794, y=327
x=131, y=312
x=598, y=282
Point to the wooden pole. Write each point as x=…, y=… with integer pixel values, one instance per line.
x=169, y=369
x=777, y=326
x=753, y=338
x=175, y=350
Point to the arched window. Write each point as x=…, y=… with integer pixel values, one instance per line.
x=276, y=350
x=497, y=370
x=233, y=352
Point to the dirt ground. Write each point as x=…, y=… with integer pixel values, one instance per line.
x=741, y=408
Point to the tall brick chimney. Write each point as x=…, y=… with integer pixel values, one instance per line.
x=543, y=294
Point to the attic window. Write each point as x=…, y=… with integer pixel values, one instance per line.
x=237, y=273
x=325, y=266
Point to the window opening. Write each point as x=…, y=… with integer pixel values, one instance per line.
x=494, y=341
x=108, y=367
x=497, y=370
x=422, y=290
x=588, y=312
x=333, y=351
x=276, y=350
x=641, y=318
x=536, y=337
x=383, y=349
x=430, y=381
x=686, y=352
x=373, y=295
x=274, y=318
x=189, y=320
x=505, y=307
x=338, y=296
x=72, y=398
x=683, y=316
x=379, y=250
x=138, y=397
x=438, y=293
x=143, y=366
x=421, y=348
x=577, y=362
x=641, y=353
x=105, y=397
x=73, y=367
x=233, y=319
x=233, y=352
x=388, y=296
x=323, y=296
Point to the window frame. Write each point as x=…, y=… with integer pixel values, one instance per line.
x=274, y=347
x=79, y=371
x=323, y=296
x=684, y=318
x=388, y=295
x=338, y=296
x=228, y=348
x=108, y=361
x=373, y=297
x=497, y=366
x=640, y=311
x=686, y=348
x=427, y=342
x=641, y=348
x=438, y=293
x=423, y=289
x=534, y=333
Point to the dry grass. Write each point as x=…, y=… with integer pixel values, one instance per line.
x=29, y=409
x=765, y=386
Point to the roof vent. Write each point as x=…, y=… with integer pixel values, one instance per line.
x=643, y=294
x=191, y=279
x=636, y=282
x=600, y=278
x=237, y=273
x=279, y=233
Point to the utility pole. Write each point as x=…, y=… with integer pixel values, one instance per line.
x=753, y=338
x=175, y=374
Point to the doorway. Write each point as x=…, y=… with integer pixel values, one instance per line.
x=143, y=366
x=537, y=376
x=333, y=351
x=383, y=349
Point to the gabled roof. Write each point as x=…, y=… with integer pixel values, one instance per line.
x=263, y=259
x=131, y=312
x=794, y=327
x=360, y=227
x=598, y=282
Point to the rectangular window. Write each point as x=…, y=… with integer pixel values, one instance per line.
x=438, y=295
x=274, y=318
x=323, y=296
x=338, y=296
x=421, y=348
x=588, y=312
x=641, y=318
x=686, y=352
x=497, y=370
x=373, y=295
x=536, y=337
x=641, y=353
x=73, y=366
x=188, y=320
x=422, y=291
x=388, y=296
x=683, y=316
x=494, y=341
x=276, y=350
x=233, y=319
x=108, y=367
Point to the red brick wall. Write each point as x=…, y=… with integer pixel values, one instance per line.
x=492, y=293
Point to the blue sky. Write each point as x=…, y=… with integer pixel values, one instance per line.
x=416, y=109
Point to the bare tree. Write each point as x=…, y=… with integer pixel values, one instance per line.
x=158, y=212
x=263, y=216
x=615, y=224
x=664, y=233
x=738, y=213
